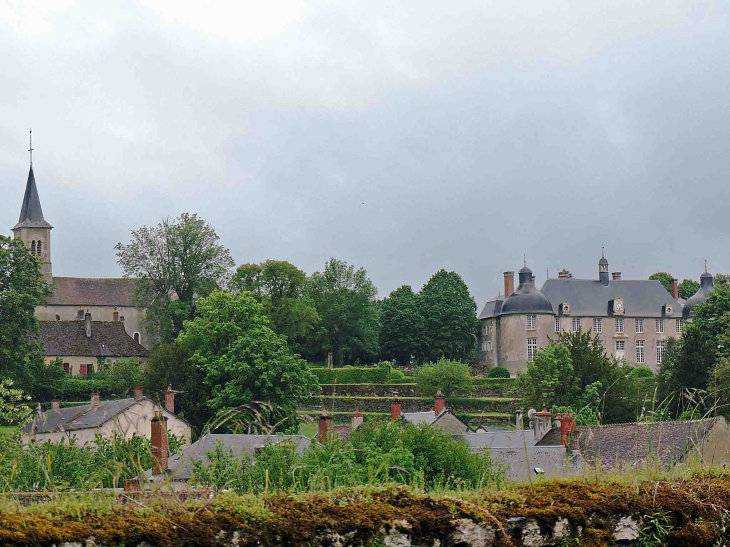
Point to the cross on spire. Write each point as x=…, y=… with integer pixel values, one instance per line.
x=602, y=252
x=31, y=148
x=705, y=265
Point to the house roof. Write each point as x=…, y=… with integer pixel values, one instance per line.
x=73, y=418
x=706, y=285
x=31, y=213
x=504, y=438
x=527, y=298
x=429, y=417
x=180, y=466
x=90, y=291
x=627, y=444
x=108, y=339
x=343, y=431
x=588, y=297
x=492, y=308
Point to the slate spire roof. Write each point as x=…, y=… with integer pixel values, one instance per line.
x=31, y=213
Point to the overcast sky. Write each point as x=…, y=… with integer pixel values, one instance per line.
x=403, y=137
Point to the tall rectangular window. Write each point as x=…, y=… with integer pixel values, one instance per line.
x=640, y=355
x=531, y=348
x=557, y=324
x=576, y=324
x=619, y=325
x=531, y=322
x=679, y=325
x=660, y=351
x=489, y=345
x=620, y=348
x=597, y=326
x=659, y=326
x=639, y=326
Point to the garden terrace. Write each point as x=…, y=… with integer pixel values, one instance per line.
x=458, y=405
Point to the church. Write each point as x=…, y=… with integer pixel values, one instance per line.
x=86, y=320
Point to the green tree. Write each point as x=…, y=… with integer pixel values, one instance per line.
x=549, y=379
x=280, y=287
x=14, y=407
x=449, y=312
x=687, y=288
x=241, y=358
x=170, y=365
x=451, y=377
x=22, y=289
x=401, y=325
x=345, y=301
x=122, y=375
x=174, y=262
x=664, y=278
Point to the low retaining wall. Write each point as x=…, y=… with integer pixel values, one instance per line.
x=415, y=404
x=407, y=390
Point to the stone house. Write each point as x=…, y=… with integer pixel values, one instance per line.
x=107, y=299
x=83, y=345
x=122, y=417
x=632, y=318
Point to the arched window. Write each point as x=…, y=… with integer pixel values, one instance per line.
x=38, y=248
x=136, y=337
x=32, y=248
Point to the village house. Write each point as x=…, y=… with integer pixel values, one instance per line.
x=83, y=345
x=107, y=299
x=122, y=417
x=633, y=319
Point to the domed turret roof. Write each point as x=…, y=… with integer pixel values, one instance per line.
x=706, y=284
x=527, y=298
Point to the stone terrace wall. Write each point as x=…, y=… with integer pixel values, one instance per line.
x=382, y=404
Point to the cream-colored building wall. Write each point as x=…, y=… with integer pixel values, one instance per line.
x=133, y=421
x=514, y=335
x=609, y=335
x=132, y=317
x=449, y=423
x=28, y=235
x=75, y=362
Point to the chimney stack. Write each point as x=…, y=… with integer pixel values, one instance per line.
x=543, y=422
x=94, y=399
x=325, y=426
x=87, y=322
x=616, y=276
x=55, y=404
x=357, y=419
x=395, y=408
x=115, y=316
x=567, y=427
x=158, y=431
x=518, y=420
x=169, y=400
x=80, y=313
x=439, y=403
x=675, y=289
x=138, y=392
x=509, y=283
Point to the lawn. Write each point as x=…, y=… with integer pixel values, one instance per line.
x=7, y=429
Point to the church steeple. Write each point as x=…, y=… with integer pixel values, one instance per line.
x=32, y=228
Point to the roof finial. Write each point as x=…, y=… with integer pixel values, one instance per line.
x=602, y=253
x=705, y=265
x=31, y=147
x=524, y=260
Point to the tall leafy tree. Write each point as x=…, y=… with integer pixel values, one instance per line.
x=664, y=278
x=22, y=289
x=345, y=300
x=687, y=288
x=241, y=358
x=402, y=326
x=175, y=262
x=280, y=287
x=449, y=313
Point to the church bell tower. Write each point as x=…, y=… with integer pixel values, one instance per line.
x=32, y=228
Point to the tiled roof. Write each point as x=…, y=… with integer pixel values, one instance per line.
x=78, y=417
x=108, y=339
x=90, y=291
x=623, y=445
x=180, y=466
x=492, y=308
x=344, y=432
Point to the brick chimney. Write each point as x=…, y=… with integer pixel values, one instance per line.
x=675, y=289
x=357, y=419
x=95, y=397
x=567, y=427
x=542, y=423
x=55, y=404
x=158, y=434
x=439, y=403
x=138, y=393
x=325, y=426
x=509, y=283
x=87, y=323
x=80, y=313
x=395, y=408
x=170, y=400
x=616, y=276
x=115, y=315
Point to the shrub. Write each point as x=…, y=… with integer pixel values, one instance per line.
x=451, y=377
x=499, y=372
x=380, y=374
x=80, y=389
x=642, y=372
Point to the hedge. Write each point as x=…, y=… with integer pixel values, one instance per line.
x=81, y=388
x=381, y=374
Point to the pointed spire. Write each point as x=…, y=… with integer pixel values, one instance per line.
x=31, y=213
